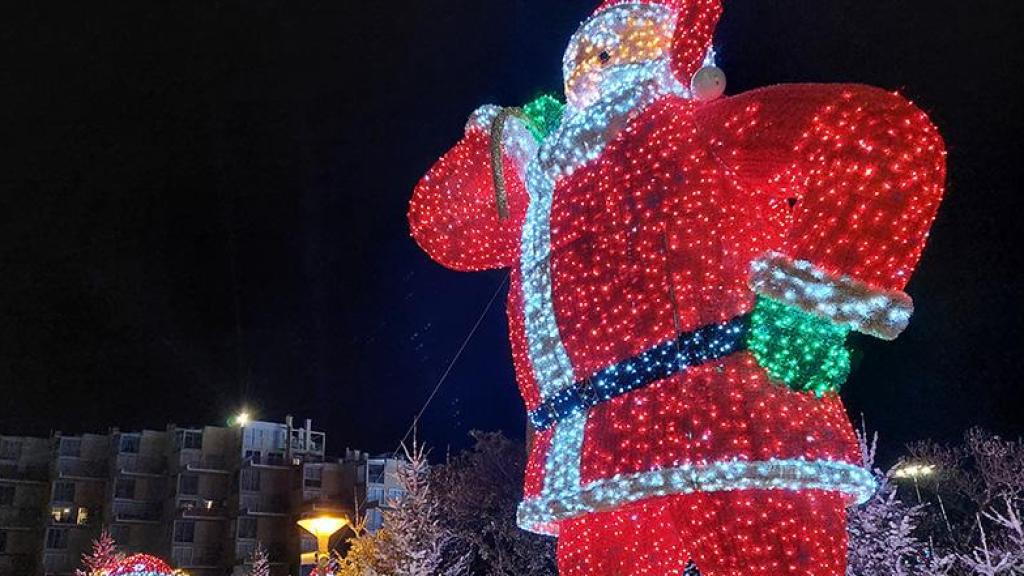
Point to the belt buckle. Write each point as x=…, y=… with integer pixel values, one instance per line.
x=587, y=393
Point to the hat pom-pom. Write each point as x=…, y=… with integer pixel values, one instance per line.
x=708, y=84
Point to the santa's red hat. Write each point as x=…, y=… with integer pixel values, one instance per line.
x=695, y=26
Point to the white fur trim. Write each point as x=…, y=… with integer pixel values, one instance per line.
x=841, y=299
x=542, y=514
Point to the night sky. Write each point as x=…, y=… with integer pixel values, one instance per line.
x=203, y=205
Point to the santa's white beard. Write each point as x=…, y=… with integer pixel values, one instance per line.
x=600, y=109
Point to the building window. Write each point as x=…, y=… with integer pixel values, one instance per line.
x=184, y=531
x=189, y=439
x=317, y=442
x=83, y=517
x=130, y=444
x=71, y=447
x=308, y=544
x=189, y=485
x=395, y=494
x=374, y=519
x=3, y=541
x=10, y=449
x=251, y=480
x=56, y=539
x=120, y=533
x=375, y=473
x=247, y=527
x=253, y=456
x=6, y=495
x=63, y=491
x=275, y=459
x=61, y=514
x=313, y=477
x=125, y=489
x=375, y=494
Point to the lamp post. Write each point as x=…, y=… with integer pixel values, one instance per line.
x=914, y=471
x=323, y=525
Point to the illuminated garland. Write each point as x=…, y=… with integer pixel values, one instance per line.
x=542, y=514
x=799, y=349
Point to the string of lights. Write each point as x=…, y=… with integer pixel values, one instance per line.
x=653, y=210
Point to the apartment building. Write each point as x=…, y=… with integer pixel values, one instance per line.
x=200, y=497
x=24, y=496
x=379, y=478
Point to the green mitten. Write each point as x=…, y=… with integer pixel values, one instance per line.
x=803, y=351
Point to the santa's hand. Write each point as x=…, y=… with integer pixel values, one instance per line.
x=799, y=349
x=510, y=135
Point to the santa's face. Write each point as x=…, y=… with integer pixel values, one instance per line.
x=616, y=49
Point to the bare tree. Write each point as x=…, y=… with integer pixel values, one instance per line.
x=480, y=490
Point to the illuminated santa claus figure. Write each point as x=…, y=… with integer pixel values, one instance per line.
x=141, y=565
x=685, y=269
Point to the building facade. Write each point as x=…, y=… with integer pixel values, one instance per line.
x=200, y=497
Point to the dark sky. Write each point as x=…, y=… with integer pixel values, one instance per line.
x=203, y=204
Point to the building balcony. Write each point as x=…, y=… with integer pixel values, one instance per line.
x=71, y=517
x=276, y=553
x=141, y=465
x=138, y=512
x=195, y=461
x=195, y=556
x=15, y=563
x=202, y=509
x=11, y=471
x=57, y=562
x=75, y=468
x=20, y=518
x=261, y=505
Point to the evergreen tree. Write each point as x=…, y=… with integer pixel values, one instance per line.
x=884, y=538
x=101, y=558
x=417, y=540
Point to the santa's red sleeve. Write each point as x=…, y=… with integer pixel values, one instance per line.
x=454, y=214
x=863, y=170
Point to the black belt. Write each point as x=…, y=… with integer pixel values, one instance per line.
x=692, y=348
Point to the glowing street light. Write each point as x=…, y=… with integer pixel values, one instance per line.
x=913, y=470
x=323, y=526
x=241, y=419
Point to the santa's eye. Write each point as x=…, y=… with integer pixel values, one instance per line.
x=604, y=57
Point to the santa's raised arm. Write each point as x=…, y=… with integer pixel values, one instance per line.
x=685, y=269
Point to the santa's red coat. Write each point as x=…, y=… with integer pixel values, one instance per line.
x=657, y=236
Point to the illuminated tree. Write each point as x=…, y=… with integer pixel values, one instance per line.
x=417, y=539
x=259, y=563
x=103, y=556
x=885, y=536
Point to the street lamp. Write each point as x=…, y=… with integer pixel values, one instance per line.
x=241, y=419
x=914, y=471
x=323, y=525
